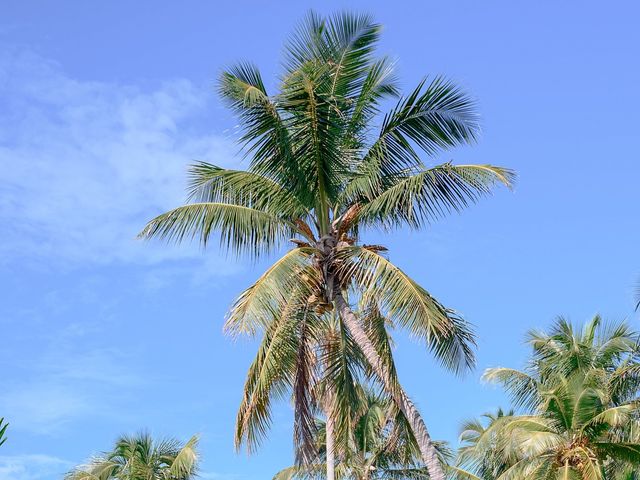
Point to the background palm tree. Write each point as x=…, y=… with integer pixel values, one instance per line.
x=581, y=416
x=480, y=452
x=321, y=174
x=139, y=457
x=381, y=446
x=3, y=431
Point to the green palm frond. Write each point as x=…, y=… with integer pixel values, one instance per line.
x=379, y=84
x=628, y=452
x=407, y=474
x=624, y=382
x=96, y=469
x=304, y=425
x=457, y=473
x=3, y=431
x=613, y=417
x=209, y=183
x=431, y=194
x=243, y=87
x=435, y=116
x=522, y=387
x=255, y=307
x=266, y=134
x=351, y=40
x=243, y=230
x=343, y=367
x=408, y=304
x=185, y=461
x=316, y=130
x=270, y=377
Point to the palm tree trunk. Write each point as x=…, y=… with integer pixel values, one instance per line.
x=330, y=444
x=425, y=444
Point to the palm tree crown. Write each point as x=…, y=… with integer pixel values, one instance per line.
x=326, y=163
x=139, y=457
x=581, y=417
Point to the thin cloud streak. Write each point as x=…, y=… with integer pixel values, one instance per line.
x=32, y=467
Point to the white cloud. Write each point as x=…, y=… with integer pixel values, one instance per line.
x=83, y=165
x=32, y=467
x=76, y=385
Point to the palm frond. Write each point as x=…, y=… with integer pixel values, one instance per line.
x=242, y=230
x=98, y=468
x=270, y=376
x=266, y=135
x=379, y=84
x=436, y=117
x=209, y=183
x=613, y=417
x=343, y=367
x=522, y=387
x=184, y=463
x=408, y=304
x=253, y=310
x=433, y=193
x=457, y=473
x=303, y=402
x=3, y=431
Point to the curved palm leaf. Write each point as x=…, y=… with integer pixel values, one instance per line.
x=254, y=308
x=242, y=229
x=408, y=304
x=430, y=194
x=209, y=183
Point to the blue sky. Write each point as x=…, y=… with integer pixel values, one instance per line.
x=102, y=106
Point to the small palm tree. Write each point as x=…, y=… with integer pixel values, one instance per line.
x=381, y=446
x=582, y=415
x=139, y=457
x=326, y=164
x=3, y=431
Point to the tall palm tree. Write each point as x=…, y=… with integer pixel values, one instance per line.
x=326, y=164
x=381, y=446
x=581, y=415
x=139, y=457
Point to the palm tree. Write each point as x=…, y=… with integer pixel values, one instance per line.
x=480, y=451
x=581, y=415
x=381, y=446
x=139, y=457
x=3, y=430
x=319, y=176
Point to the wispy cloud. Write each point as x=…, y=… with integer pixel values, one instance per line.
x=83, y=165
x=68, y=385
x=32, y=467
